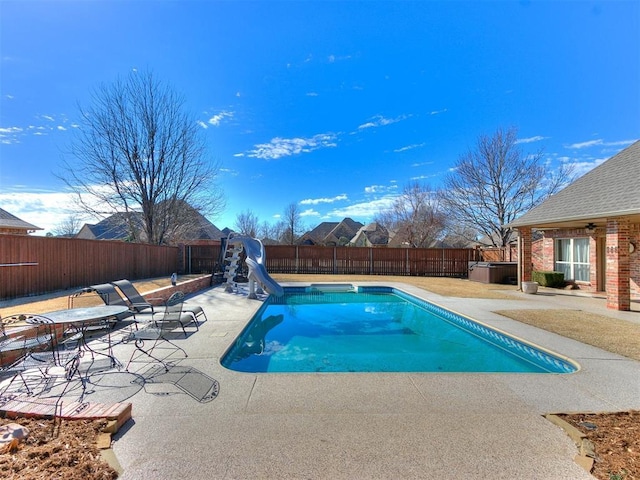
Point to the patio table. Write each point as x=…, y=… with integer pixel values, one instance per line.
x=79, y=321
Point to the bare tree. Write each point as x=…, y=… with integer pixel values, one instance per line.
x=271, y=232
x=292, y=224
x=67, y=227
x=415, y=215
x=495, y=183
x=139, y=153
x=247, y=223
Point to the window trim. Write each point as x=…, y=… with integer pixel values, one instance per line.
x=571, y=263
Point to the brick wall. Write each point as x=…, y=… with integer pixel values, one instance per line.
x=543, y=256
x=187, y=287
x=634, y=260
x=618, y=265
x=546, y=259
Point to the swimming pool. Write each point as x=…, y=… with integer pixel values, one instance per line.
x=376, y=329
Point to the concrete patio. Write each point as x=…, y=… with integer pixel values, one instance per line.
x=368, y=425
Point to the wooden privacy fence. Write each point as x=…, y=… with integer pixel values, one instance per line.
x=431, y=262
x=201, y=258
x=31, y=265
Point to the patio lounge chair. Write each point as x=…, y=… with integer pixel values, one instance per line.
x=158, y=331
x=141, y=304
x=172, y=312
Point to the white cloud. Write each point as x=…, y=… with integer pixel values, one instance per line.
x=9, y=135
x=10, y=130
x=584, y=166
x=61, y=128
x=438, y=112
x=42, y=208
x=312, y=94
x=374, y=189
x=537, y=138
x=364, y=210
x=309, y=213
x=590, y=143
x=380, y=121
x=316, y=201
x=216, y=119
x=202, y=124
x=230, y=171
x=284, y=147
x=600, y=142
x=421, y=164
x=409, y=147
x=424, y=177
x=48, y=117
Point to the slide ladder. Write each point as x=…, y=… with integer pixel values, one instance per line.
x=231, y=262
x=254, y=258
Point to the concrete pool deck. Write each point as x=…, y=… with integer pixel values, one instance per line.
x=368, y=425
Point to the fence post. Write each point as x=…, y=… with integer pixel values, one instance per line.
x=407, y=264
x=297, y=259
x=335, y=260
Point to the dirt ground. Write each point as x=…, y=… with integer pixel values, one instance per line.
x=71, y=455
x=616, y=435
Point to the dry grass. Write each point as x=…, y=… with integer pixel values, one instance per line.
x=611, y=334
x=59, y=301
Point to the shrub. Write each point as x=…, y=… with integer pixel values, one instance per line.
x=549, y=279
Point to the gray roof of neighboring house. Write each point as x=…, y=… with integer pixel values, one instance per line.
x=320, y=231
x=612, y=189
x=114, y=227
x=333, y=231
x=375, y=233
x=8, y=220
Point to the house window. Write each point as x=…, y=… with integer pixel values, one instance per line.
x=572, y=258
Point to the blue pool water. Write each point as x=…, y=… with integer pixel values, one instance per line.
x=376, y=329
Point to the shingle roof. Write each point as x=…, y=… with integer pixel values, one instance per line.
x=8, y=220
x=609, y=190
x=332, y=232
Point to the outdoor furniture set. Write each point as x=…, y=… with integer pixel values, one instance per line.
x=39, y=351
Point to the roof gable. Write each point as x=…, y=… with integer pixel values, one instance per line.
x=611, y=189
x=9, y=221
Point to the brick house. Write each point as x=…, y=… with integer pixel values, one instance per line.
x=590, y=231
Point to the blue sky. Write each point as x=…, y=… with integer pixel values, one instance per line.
x=332, y=105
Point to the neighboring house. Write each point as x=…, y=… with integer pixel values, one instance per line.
x=12, y=225
x=331, y=233
x=591, y=231
x=118, y=227
x=115, y=227
x=372, y=235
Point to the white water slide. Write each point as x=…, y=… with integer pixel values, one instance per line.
x=254, y=251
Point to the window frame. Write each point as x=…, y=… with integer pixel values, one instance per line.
x=572, y=265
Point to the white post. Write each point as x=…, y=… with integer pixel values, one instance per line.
x=252, y=288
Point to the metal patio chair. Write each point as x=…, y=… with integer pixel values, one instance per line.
x=157, y=332
x=28, y=351
x=136, y=299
